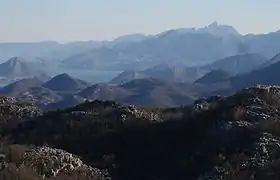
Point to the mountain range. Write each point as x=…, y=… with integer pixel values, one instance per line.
x=160, y=86
x=188, y=47
x=63, y=89
x=137, y=52
x=233, y=65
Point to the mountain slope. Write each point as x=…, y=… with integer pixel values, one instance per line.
x=127, y=76
x=130, y=38
x=30, y=90
x=104, y=92
x=267, y=75
x=233, y=65
x=238, y=64
x=213, y=76
x=145, y=92
x=16, y=67
x=154, y=92
x=21, y=86
x=64, y=82
x=265, y=44
x=273, y=60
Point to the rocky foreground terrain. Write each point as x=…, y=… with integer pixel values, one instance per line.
x=233, y=138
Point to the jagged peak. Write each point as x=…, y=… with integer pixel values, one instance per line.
x=15, y=60
x=213, y=24
x=215, y=28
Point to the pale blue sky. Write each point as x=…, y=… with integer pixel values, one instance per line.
x=69, y=20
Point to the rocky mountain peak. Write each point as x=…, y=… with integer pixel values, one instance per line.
x=213, y=24
x=15, y=61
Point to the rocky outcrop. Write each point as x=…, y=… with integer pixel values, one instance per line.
x=50, y=162
x=22, y=162
x=12, y=107
x=251, y=116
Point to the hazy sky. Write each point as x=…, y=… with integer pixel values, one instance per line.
x=68, y=20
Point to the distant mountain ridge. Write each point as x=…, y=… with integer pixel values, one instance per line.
x=213, y=76
x=161, y=86
x=233, y=65
x=177, y=47
x=266, y=74
x=61, y=93
x=137, y=52
x=216, y=29
x=127, y=76
x=238, y=64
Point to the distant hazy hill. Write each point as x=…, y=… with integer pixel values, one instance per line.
x=104, y=92
x=238, y=64
x=273, y=60
x=215, y=29
x=264, y=44
x=146, y=91
x=162, y=71
x=16, y=67
x=31, y=90
x=153, y=92
x=22, y=86
x=233, y=65
x=47, y=50
x=64, y=82
x=127, y=76
x=268, y=75
x=213, y=76
x=131, y=38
